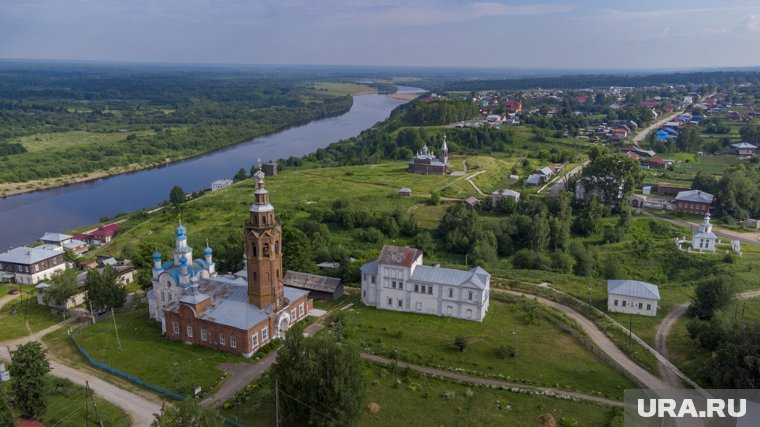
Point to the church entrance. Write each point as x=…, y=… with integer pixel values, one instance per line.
x=283, y=323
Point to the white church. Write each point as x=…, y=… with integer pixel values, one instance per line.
x=399, y=281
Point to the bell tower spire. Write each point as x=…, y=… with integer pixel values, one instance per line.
x=263, y=236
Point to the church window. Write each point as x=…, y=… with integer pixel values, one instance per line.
x=649, y=307
x=623, y=303
x=390, y=302
x=163, y=297
x=615, y=303
x=430, y=290
x=401, y=285
x=393, y=284
x=276, y=248
x=293, y=316
x=266, y=249
x=204, y=335
x=416, y=287
x=278, y=273
x=233, y=342
x=451, y=293
x=300, y=309
x=254, y=275
x=175, y=327
x=418, y=306
x=373, y=280
x=255, y=339
x=264, y=333
x=401, y=303
x=641, y=306
x=189, y=331
x=469, y=313
x=222, y=338
x=469, y=295
x=254, y=250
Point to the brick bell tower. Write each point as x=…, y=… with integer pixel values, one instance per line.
x=263, y=250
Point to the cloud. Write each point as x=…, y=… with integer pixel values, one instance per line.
x=425, y=14
x=751, y=23
x=627, y=15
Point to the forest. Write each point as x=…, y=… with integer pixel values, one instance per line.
x=140, y=116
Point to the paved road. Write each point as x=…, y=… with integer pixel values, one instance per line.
x=242, y=374
x=139, y=408
x=718, y=231
x=602, y=341
x=643, y=133
x=664, y=328
x=491, y=382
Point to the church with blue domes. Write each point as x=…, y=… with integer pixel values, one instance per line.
x=237, y=313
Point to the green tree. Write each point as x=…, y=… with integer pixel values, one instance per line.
x=103, y=290
x=297, y=251
x=29, y=369
x=177, y=195
x=689, y=139
x=69, y=256
x=460, y=343
x=539, y=233
x=460, y=228
x=7, y=419
x=710, y=295
x=187, y=413
x=241, y=175
x=62, y=287
x=424, y=242
x=144, y=279
x=611, y=176
x=751, y=134
x=319, y=380
x=587, y=221
x=435, y=198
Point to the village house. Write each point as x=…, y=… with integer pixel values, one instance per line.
x=632, y=296
x=693, y=202
x=31, y=265
x=744, y=149
x=399, y=281
x=100, y=236
x=65, y=241
x=239, y=313
x=504, y=193
x=220, y=183
x=426, y=162
x=471, y=203
x=124, y=276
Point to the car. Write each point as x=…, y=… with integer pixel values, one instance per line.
x=13, y=291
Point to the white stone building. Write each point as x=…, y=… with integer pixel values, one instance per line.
x=399, y=281
x=31, y=265
x=632, y=296
x=500, y=194
x=220, y=183
x=703, y=239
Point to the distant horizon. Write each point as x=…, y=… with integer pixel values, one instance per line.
x=664, y=70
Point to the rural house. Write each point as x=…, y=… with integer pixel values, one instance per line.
x=632, y=296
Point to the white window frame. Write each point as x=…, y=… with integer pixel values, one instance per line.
x=255, y=339
x=293, y=317
x=264, y=334
x=222, y=338
x=301, y=310
x=189, y=331
x=204, y=335
x=233, y=341
x=175, y=328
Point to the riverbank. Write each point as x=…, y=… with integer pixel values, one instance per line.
x=404, y=96
x=15, y=188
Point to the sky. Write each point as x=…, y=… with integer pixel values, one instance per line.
x=546, y=34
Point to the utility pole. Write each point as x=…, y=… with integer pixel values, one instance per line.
x=277, y=402
x=630, y=333
x=94, y=405
x=86, y=406
x=589, y=295
x=113, y=316
x=92, y=315
x=514, y=340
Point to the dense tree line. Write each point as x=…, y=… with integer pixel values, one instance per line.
x=442, y=112
x=587, y=81
x=736, y=193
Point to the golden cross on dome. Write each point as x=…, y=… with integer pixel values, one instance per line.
x=259, y=160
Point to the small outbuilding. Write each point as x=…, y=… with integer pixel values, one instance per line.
x=322, y=287
x=632, y=296
x=405, y=192
x=471, y=203
x=220, y=183
x=500, y=194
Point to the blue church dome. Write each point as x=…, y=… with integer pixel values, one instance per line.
x=157, y=256
x=181, y=230
x=207, y=251
x=183, y=260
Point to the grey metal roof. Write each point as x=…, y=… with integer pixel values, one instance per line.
x=74, y=243
x=698, y=196
x=534, y=179
x=405, y=190
x=633, y=288
x=472, y=201
x=54, y=237
x=261, y=208
x=704, y=236
x=230, y=306
x=29, y=256
x=743, y=145
x=476, y=277
x=311, y=281
x=506, y=192
x=546, y=171
x=370, y=268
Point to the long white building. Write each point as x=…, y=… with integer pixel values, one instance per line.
x=399, y=281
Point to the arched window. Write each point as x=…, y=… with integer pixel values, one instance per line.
x=266, y=249
x=254, y=275
x=277, y=247
x=278, y=274
x=254, y=250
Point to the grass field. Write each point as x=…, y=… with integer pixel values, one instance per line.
x=545, y=355
x=339, y=89
x=150, y=357
x=20, y=318
x=66, y=407
x=64, y=140
x=424, y=401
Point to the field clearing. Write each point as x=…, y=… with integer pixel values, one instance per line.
x=64, y=140
x=20, y=319
x=422, y=401
x=545, y=355
x=340, y=89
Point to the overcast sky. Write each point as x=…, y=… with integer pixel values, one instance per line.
x=512, y=34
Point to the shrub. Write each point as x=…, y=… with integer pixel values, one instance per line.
x=460, y=343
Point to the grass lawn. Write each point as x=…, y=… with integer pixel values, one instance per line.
x=63, y=140
x=66, y=407
x=146, y=355
x=20, y=319
x=545, y=355
x=421, y=401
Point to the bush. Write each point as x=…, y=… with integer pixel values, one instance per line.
x=507, y=351
x=531, y=260
x=460, y=343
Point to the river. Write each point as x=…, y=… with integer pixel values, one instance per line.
x=26, y=217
